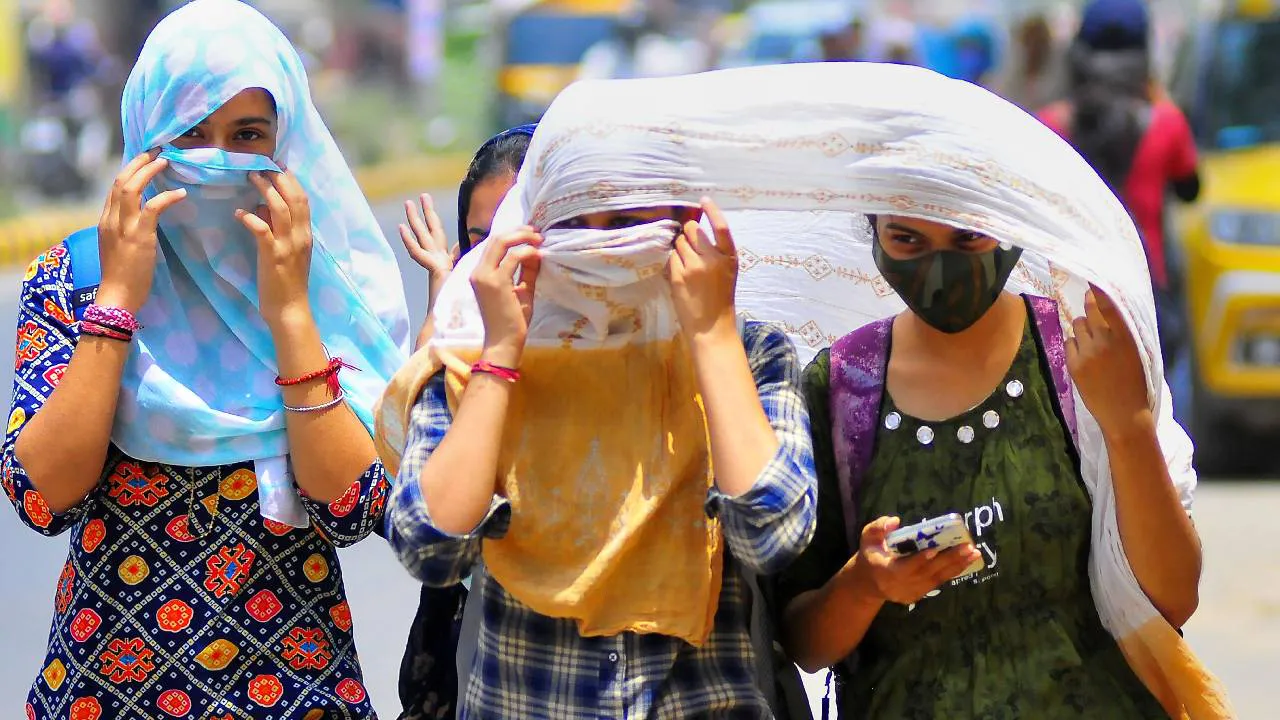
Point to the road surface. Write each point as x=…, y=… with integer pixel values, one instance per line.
x=1236, y=631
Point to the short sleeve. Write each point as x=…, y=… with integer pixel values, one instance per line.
x=46, y=338
x=349, y=519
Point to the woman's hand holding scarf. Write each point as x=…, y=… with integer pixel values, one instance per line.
x=127, y=233
x=1159, y=539
x=1103, y=359
x=282, y=227
x=704, y=275
x=505, y=300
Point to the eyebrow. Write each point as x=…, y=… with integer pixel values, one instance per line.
x=245, y=122
x=904, y=229
x=956, y=233
x=477, y=231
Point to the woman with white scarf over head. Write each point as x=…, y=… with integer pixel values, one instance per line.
x=797, y=173
x=202, y=426
x=563, y=421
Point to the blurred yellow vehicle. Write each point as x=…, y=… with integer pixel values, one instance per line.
x=1229, y=86
x=542, y=42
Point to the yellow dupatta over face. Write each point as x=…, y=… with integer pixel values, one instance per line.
x=605, y=458
x=606, y=465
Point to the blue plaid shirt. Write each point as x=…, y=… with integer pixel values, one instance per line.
x=532, y=666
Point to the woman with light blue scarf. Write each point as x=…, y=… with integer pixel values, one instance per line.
x=202, y=426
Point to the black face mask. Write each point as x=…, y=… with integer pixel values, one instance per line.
x=949, y=290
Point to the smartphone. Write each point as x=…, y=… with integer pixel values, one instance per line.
x=946, y=531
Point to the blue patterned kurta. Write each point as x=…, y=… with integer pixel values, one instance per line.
x=177, y=598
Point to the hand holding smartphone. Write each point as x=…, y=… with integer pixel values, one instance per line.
x=940, y=533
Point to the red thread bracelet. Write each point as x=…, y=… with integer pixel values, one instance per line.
x=329, y=373
x=503, y=373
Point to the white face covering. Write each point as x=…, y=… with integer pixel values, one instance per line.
x=610, y=278
x=595, y=288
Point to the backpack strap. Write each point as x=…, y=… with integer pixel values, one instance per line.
x=86, y=269
x=859, y=363
x=777, y=677
x=1049, y=329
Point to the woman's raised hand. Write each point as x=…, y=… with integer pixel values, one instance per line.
x=704, y=275
x=1103, y=359
x=127, y=233
x=506, y=302
x=282, y=227
x=424, y=237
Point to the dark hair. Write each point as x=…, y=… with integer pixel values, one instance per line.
x=501, y=154
x=1110, y=98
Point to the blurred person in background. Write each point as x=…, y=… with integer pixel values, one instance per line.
x=67, y=139
x=65, y=51
x=975, y=48
x=183, y=402
x=1036, y=73
x=646, y=43
x=1134, y=136
x=430, y=668
x=894, y=39
x=844, y=43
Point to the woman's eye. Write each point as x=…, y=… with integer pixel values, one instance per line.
x=975, y=243
x=192, y=133
x=249, y=136
x=625, y=221
x=905, y=239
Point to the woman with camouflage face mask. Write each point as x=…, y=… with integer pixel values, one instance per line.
x=969, y=385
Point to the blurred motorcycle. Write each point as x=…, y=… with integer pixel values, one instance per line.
x=65, y=141
x=64, y=144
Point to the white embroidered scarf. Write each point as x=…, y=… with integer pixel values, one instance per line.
x=797, y=155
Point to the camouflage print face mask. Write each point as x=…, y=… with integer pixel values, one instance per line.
x=948, y=289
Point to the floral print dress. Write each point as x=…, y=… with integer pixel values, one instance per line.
x=177, y=599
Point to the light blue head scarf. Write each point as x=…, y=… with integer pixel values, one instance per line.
x=199, y=386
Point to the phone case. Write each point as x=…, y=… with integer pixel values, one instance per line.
x=938, y=533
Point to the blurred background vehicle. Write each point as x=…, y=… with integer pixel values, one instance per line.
x=1228, y=83
x=64, y=139
x=541, y=45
